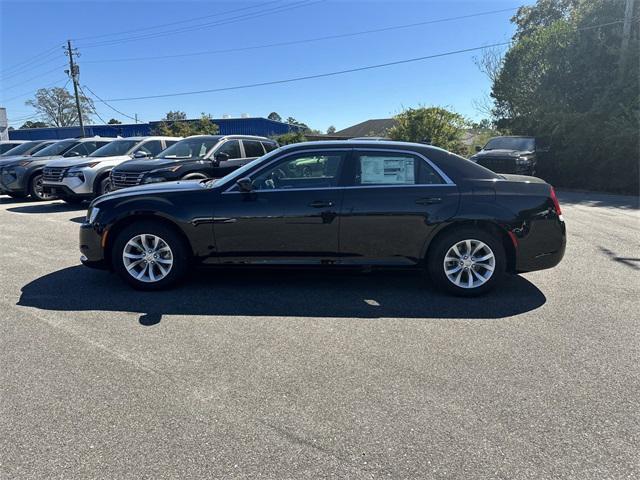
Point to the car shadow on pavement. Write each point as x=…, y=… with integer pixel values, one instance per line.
x=48, y=208
x=277, y=293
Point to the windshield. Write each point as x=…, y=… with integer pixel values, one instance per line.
x=57, y=148
x=240, y=172
x=522, y=144
x=20, y=149
x=115, y=148
x=5, y=147
x=190, y=148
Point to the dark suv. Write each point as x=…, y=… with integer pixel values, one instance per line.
x=509, y=155
x=194, y=158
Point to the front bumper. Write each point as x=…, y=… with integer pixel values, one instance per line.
x=62, y=190
x=73, y=186
x=91, y=241
x=13, y=182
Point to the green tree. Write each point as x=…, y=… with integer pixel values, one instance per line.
x=291, y=137
x=293, y=121
x=561, y=82
x=275, y=117
x=172, y=116
x=331, y=130
x=186, y=128
x=114, y=121
x=57, y=107
x=434, y=125
x=30, y=124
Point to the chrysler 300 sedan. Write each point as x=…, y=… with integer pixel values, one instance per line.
x=338, y=204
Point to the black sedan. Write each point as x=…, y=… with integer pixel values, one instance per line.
x=335, y=204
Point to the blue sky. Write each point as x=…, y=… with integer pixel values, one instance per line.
x=29, y=28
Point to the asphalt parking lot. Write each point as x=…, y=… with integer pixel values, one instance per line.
x=319, y=375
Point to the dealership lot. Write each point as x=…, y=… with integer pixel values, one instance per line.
x=304, y=374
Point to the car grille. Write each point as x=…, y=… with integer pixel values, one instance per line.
x=125, y=179
x=54, y=174
x=498, y=165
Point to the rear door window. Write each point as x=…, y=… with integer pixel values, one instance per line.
x=379, y=168
x=252, y=148
x=269, y=146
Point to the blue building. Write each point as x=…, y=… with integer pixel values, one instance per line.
x=228, y=126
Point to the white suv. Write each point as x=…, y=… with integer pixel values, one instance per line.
x=75, y=180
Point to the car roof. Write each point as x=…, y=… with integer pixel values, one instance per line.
x=149, y=137
x=238, y=137
x=352, y=143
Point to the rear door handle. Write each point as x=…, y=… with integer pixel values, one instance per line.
x=429, y=200
x=321, y=203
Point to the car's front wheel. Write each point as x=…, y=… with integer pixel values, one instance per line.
x=36, y=190
x=150, y=256
x=105, y=186
x=467, y=262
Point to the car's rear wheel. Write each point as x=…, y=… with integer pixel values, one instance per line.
x=467, y=262
x=35, y=188
x=150, y=256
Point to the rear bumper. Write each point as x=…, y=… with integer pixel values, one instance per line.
x=542, y=247
x=91, y=247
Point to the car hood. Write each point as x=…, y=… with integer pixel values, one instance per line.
x=147, y=165
x=151, y=189
x=72, y=162
x=500, y=153
x=34, y=160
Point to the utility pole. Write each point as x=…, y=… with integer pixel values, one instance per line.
x=136, y=117
x=74, y=71
x=626, y=34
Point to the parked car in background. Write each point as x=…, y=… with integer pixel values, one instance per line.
x=7, y=145
x=194, y=158
x=25, y=149
x=509, y=155
x=365, y=203
x=76, y=179
x=22, y=176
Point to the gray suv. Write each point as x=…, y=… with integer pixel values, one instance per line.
x=74, y=180
x=22, y=176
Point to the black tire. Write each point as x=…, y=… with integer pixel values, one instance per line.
x=72, y=200
x=105, y=186
x=441, y=246
x=35, y=189
x=178, y=249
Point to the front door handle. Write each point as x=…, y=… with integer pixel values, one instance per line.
x=429, y=200
x=321, y=203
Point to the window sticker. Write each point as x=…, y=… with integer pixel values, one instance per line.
x=387, y=170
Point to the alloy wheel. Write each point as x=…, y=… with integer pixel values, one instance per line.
x=38, y=190
x=469, y=263
x=147, y=258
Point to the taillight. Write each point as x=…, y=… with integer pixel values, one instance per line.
x=556, y=203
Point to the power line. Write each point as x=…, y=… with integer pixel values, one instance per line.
x=34, y=91
x=310, y=77
x=339, y=72
x=308, y=40
x=231, y=20
x=137, y=30
x=111, y=107
x=94, y=108
x=29, y=60
x=29, y=68
x=35, y=78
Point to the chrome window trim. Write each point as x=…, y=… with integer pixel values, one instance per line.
x=443, y=176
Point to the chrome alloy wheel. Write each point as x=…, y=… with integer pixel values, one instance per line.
x=469, y=263
x=38, y=190
x=147, y=258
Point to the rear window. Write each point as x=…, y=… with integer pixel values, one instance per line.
x=269, y=146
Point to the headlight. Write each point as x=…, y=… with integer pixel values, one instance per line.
x=154, y=180
x=92, y=213
x=74, y=173
x=522, y=161
x=167, y=169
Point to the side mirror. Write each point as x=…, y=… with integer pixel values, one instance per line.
x=221, y=157
x=478, y=148
x=141, y=154
x=245, y=184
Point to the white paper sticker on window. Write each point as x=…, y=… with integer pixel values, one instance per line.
x=387, y=170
